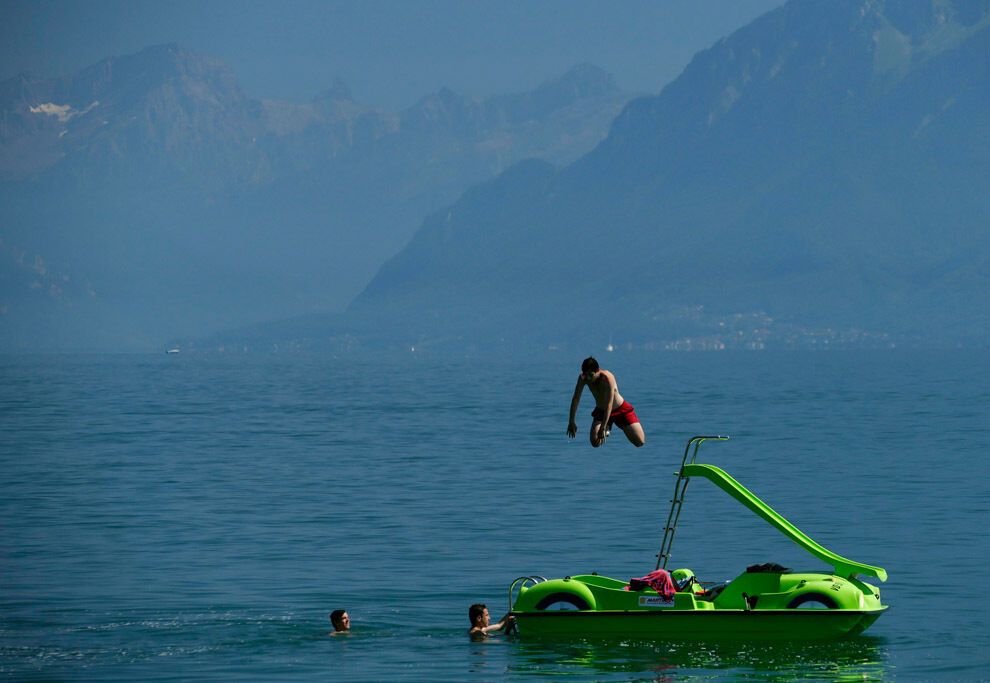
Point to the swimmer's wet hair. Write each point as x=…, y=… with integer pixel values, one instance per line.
x=590, y=365
x=475, y=611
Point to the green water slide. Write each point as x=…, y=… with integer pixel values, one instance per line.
x=843, y=566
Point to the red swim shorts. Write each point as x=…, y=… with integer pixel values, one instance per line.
x=623, y=416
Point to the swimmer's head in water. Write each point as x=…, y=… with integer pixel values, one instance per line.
x=477, y=611
x=341, y=620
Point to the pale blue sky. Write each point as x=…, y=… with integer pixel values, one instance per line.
x=389, y=52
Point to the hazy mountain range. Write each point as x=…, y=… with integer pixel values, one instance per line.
x=148, y=197
x=821, y=177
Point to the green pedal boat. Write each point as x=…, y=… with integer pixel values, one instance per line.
x=765, y=602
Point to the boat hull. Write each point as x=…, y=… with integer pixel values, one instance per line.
x=785, y=624
x=758, y=604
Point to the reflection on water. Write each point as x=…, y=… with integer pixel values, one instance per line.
x=857, y=659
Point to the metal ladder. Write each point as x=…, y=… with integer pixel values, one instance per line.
x=678, y=500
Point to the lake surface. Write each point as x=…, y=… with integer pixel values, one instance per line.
x=182, y=517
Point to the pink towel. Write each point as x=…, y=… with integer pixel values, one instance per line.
x=659, y=581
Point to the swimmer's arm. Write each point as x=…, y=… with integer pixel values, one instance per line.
x=575, y=400
x=502, y=623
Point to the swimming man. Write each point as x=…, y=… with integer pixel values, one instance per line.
x=341, y=622
x=480, y=620
x=608, y=402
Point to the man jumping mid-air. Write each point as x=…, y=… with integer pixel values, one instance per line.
x=610, y=407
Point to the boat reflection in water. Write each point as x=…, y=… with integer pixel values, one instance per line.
x=857, y=659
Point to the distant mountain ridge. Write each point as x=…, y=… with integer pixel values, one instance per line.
x=818, y=178
x=127, y=110
x=180, y=98
x=178, y=204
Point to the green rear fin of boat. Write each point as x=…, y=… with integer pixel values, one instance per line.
x=843, y=567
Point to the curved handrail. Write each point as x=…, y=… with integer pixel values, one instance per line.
x=523, y=579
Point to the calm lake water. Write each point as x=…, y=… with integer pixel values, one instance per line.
x=196, y=517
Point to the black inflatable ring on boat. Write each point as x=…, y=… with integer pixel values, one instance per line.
x=571, y=599
x=812, y=597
